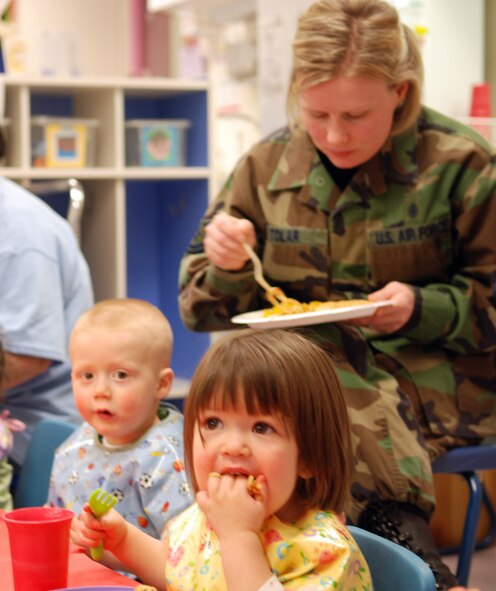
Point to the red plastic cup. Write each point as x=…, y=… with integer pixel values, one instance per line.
x=481, y=100
x=39, y=547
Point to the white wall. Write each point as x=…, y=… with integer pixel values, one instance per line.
x=276, y=25
x=453, y=54
x=98, y=29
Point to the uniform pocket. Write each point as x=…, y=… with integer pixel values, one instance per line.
x=409, y=263
x=415, y=254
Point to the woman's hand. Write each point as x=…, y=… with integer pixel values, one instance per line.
x=88, y=531
x=390, y=318
x=224, y=238
x=228, y=506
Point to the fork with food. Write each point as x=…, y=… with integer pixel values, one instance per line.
x=274, y=295
x=228, y=244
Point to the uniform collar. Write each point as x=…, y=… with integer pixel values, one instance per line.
x=296, y=162
x=395, y=163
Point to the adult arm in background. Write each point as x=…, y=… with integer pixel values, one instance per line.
x=21, y=368
x=32, y=319
x=33, y=303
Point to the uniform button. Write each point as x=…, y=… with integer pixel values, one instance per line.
x=319, y=181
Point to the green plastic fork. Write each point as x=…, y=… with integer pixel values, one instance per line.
x=100, y=502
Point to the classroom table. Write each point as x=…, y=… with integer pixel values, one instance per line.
x=82, y=570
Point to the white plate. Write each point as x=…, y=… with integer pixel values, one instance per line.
x=257, y=319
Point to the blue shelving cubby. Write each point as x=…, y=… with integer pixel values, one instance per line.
x=162, y=216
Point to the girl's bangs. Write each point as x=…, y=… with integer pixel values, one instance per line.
x=229, y=394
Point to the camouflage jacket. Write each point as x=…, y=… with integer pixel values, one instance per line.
x=422, y=211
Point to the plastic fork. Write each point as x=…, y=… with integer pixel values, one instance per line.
x=100, y=502
x=275, y=295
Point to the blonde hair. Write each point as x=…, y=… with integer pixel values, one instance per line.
x=353, y=38
x=283, y=373
x=132, y=313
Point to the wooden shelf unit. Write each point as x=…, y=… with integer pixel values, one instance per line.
x=137, y=221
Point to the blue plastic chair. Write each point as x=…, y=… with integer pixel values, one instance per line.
x=31, y=488
x=466, y=462
x=393, y=568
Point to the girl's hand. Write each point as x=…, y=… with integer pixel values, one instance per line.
x=228, y=506
x=223, y=242
x=88, y=531
x=391, y=318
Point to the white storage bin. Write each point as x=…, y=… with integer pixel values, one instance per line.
x=63, y=142
x=156, y=142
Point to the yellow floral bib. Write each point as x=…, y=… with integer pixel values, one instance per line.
x=314, y=553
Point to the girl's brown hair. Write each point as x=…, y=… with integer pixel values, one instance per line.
x=338, y=38
x=281, y=372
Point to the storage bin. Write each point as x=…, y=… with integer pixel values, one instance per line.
x=159, y=142
x=63, y=142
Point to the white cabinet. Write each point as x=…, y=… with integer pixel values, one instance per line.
x=137, y=221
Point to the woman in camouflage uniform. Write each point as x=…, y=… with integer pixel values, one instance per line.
x=369, y=194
